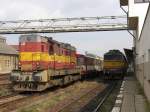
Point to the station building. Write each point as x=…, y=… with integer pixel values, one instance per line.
x=138, y=12
x=8, y=57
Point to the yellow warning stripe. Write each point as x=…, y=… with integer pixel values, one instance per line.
x=40, y=56
x=115, y=64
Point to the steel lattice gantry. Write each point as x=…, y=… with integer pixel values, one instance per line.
x=82, y=24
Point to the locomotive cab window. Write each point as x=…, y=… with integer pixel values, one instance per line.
x=42, y=48
x=111, y=57
x=59, y=50
x=51, y=50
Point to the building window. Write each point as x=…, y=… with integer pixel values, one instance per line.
x=149, y=55
x=147, y=67
x=2, y=40
x=7, y=62
x=141, y=1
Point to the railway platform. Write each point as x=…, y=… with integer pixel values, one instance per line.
x=131, y=97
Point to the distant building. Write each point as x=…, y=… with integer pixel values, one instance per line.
x=8, y=57
x=16, y=47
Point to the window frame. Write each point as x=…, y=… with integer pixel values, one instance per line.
x=141, y=1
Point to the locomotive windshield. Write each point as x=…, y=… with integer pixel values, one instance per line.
x=28, y=38
x=113, y=57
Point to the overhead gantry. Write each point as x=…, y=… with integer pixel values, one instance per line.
x=58, y=25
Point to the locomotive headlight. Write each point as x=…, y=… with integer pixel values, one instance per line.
x=19, y=65
x=37, y=63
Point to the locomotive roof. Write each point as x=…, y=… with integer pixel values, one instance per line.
x=35, y=37
x=114, y=52
x=32, y=38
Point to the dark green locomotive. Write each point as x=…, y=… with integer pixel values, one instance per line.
x=115, y=64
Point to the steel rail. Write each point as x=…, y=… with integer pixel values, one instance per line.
x=97, y=109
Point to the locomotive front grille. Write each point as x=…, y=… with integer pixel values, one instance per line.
x=26, y=67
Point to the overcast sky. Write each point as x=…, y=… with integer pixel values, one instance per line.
x=93, y=42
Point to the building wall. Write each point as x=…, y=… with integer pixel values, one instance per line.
x=8, y=57
x=8, y=62
x=143, y=57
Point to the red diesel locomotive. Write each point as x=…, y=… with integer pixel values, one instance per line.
x=44, y=63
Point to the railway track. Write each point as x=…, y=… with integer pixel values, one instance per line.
x=8, y=96
x=105, y=96
x=91, y=101
x=4, y=102
x=4, y=76
x=78, y=103
x=5, y=84
x=4, y=81
x=10, y=102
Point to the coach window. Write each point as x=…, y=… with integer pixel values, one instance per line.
x=51, y=50
x=62, y=52
x=141, y=1
x=42, y=48
x=59, y=50
x=66, y=53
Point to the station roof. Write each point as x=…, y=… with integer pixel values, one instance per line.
x=123, y=2
x=129, y=55
x=133, y=22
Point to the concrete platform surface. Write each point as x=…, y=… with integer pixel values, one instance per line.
x=133, y=101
